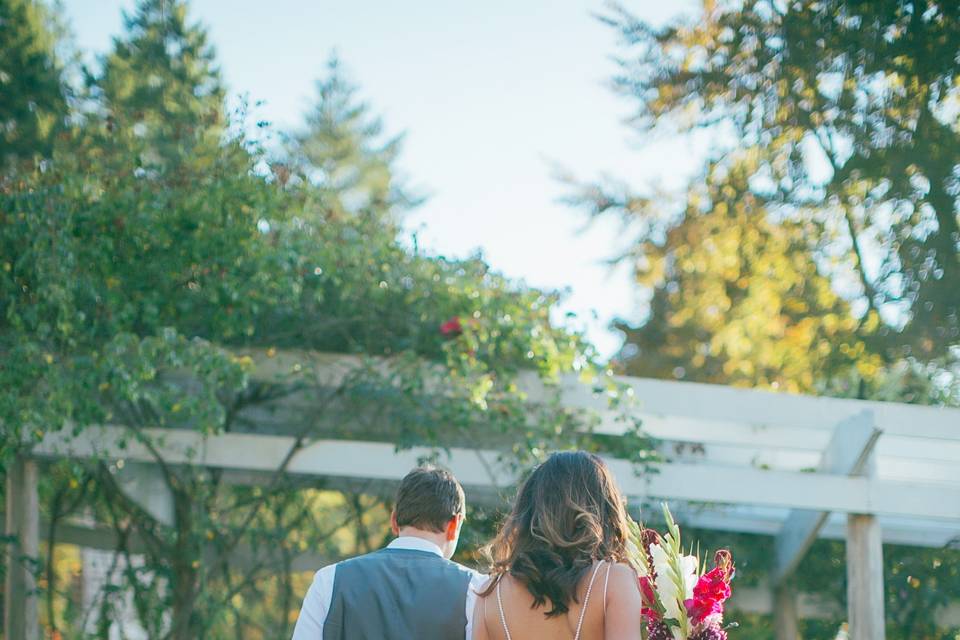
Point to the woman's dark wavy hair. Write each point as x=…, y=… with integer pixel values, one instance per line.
x=568, y=514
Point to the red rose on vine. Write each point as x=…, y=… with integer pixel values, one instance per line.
x=451, y=327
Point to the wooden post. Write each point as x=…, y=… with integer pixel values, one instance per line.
x=785, y=619
x=21, y=611
x=864, y=578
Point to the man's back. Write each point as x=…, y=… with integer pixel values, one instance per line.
x=407, y=590
x=398, y=594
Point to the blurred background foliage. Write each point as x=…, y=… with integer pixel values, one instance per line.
x=144, y=229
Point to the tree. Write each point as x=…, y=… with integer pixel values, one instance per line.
x=854, y=103
x=736, y=296
x=344, y=153
x=160, y=93
x=32, y=97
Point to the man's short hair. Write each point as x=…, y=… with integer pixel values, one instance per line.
x=427, y=498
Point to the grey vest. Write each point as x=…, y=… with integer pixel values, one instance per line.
x=398, y=594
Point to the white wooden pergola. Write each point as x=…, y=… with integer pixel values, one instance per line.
x=793, y=467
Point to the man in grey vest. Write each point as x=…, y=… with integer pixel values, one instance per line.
x=408, y=590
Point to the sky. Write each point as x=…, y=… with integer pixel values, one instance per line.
x=492, y=96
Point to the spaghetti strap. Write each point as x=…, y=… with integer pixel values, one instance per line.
x=483, y=618
x=606, y=581
x=503, y=618
x=586, y=600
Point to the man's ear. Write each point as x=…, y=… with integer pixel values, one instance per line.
x=453, y=527
x=393, y=523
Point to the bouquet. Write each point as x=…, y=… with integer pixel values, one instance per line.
x=680, y=601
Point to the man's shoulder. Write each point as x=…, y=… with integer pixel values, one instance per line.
x=326, y=573
x=474, y=579
x=478, y=580
x=472, y=573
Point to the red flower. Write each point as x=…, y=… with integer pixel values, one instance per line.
x=648, y=599
x=712, y=590
x=452, y=327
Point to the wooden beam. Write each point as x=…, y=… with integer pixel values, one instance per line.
x=865, y=578
x=483, y=470
x=765, y=411
x=21, y=599
x=685, y=411
x=795, y=490
x=917, y=532
x=936, y=464
x=852, y=443
x=785, y=619
x=865, y=598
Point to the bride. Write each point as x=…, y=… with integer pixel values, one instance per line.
x=558, y=566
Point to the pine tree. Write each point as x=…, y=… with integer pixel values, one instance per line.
x=344, y=154
x=32, y=97
x=161, y=93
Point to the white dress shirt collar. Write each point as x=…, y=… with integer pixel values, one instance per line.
x=416, y=544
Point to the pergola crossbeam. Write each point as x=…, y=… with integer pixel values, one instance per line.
x=916, y=532
x=766, y=411
x=381, y=461
x=683, y=411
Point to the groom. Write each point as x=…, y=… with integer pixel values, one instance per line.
x=410, y=589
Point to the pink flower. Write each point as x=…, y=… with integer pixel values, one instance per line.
x=452, y=327
x=711, y=590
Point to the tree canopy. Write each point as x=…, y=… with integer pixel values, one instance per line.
x=736, y=297
x=854, y=106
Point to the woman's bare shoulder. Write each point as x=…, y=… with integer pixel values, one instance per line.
x=623, y=580
x=623, y=606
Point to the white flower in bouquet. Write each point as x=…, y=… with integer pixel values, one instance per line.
x=671, y=578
